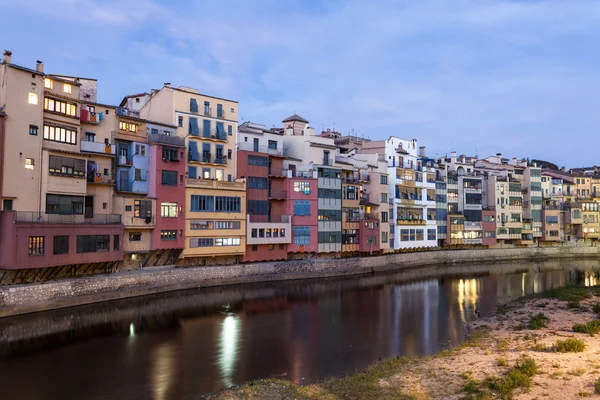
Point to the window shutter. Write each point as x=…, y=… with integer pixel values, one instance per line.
x=193, y=106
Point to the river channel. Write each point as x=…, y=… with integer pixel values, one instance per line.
x=181, y=345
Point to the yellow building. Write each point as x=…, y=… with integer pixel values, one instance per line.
x=215, y=207
x=351, y=209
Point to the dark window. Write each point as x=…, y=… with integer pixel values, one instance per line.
x=36, y=245
x=301, y=207
x=220, y=110
x=169, y=177
x=61, y=204
x=116, y=243
x=281, y=246
x=200, y=242
x=140, y=174
x=154, y=131
x=93, y=243
x=229, y=152
x=135, y=236
x=193, y=128
x=384, y=216
x=193, y=106
x=142, y=208
x=168, y=235
x=330, y=193
x=7, y=204
x=127, y=208
x=329, y=173
x=229, y=130
x=66, y=166
x=180, y=121
x=202, y=203
x=254, y=247
x=33, y=130
x=258, y=207
x=330, y=215
x=192, y=172
x=273, y=144
x=258, y=183
x=258, y=161
x=169, y=154
x=61, y=244
x=227, y=204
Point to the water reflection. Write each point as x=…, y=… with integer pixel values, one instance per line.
x=181, y=345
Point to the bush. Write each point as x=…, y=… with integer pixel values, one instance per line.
x=539, y=347
x=539, y=321
x=569, y=293
x=596, y=308
x=597, y=386
x=591, y=327
x=502, y=362
x=570, y=345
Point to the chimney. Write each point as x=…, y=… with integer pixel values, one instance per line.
x=7, y=56
x=499, y=154
x=421, y=151
x=563, y=169
x=39, y=67
x=453, y=157
x=514, y=161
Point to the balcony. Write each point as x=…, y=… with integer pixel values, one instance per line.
x=175, y=141
x=136, y=222
x=472, y=226
x=411, y=222
x=369, y=216
x=209, y=159
x=277, y=194
x=97, y=148
x=278, y=172
x=126, y=186
x=277, y=230
x=124, y=161
x=215, y=184
x=35, y=217
x=99, y=179
x=274, y=151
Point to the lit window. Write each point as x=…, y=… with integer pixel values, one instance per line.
x=48, y=83
x=29, y=163
x=33, y=98
x=67, y=88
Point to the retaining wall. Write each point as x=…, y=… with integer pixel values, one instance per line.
x=21, y=299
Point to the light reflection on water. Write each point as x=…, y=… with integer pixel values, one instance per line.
x=180, y=345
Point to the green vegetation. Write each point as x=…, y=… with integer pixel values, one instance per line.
x=539, y=321
x=570, y=345
x=518, y=377
x=539, y=347
x=569, y=293
x=597, y=386
x=591, y=328
x=596, y=308
x=502, y=362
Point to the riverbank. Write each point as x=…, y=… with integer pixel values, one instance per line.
x=541, y=347
x=28, y=298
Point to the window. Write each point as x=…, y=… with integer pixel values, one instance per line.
x=201, y=242
x=206, y=128
x=227, y=204
x=227, y=225
x=193, y=106
x=229, y=130
x=36, y=245
x=258, y=161
x=330, y=193
x=142, y=208
x=330, y=237
x=169, y=177
x=62, y=204
x=489, y=235
x=33, y=99
x=29, y=163
x=384, y=237
x=384, y=216
x=431, y=234
x=330, y=215
x=202, y=203
x=301, y=207
x=7, y=204
x=93, y=243
x=67, y=88
x=206, y=108
x=192, y=172
x=302, y=187
x=90, y=137
x=168, y=235
x=384, y=197
x=383, y=179
x=135, y=236
x=154, y=131
x=227, y=241
x=552, y=219
x=258, y=183
x=180, y=121
x=258, y=207
x=128, y=208
x=60, y=106
x=169, y=154
x=168, y=210
x=488, y=218
x=61, y=244
x=140, y=150
x=302, y=235
x=48, y=83
x=220, y=130
x=273, y=144
x=116, y=242
x=140, y=174
x=254, y=247
x=220, y=110
x=66, y=166
x=126, y=126
x=60, y=134
x=229, y=153
x=33, y=130
x=350, y=193
x=205, y=173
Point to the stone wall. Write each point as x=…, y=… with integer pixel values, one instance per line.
x=20, y=299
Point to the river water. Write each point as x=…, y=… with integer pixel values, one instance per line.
x=181, y=345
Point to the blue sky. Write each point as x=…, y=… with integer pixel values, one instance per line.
x=516, y=77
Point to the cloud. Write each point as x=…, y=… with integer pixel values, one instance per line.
x=513, y=76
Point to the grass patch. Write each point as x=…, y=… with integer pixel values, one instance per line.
x=597, y=386
x=591, y=328
x=569, y=293
x=539, y=347
x=596, y=308
x=502, y=362
x=539, y=321
x=570, y=345
x=502, y=345
x=577, y=372
x=574, y=305
x=502, y=309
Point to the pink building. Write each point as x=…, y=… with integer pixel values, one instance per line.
x=303, y=207
x=39, y=240
x=167, y=186
x=489, y=227
x=369, y=237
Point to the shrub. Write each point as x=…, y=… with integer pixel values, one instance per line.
x=539, y=347
x=539, y=321
x=591, y=327
x=597, y=386
x=502, y=362
x=596, y=308
x=570, y=345
x=569, y=293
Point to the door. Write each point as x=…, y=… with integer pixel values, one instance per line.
x=256, y=145
x=206, y=152
x=89, y=206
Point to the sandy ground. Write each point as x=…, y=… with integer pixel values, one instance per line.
x=560, y=375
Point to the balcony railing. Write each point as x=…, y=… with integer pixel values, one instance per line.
x=97, y=147
x=36, y=217
x=277, y=194
x=209, y=158
x=260, y=149
x=277, y=171
x=284, y=219
x=215, y=184
x=100, y=179
x=158, y=138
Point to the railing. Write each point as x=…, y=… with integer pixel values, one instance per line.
x=277, y=171
x=370, y=216
x=44, y=218
x=284, y=219
x=410, y=221
x=177, y=141
x=278, y=194
x=125, y=160
x=472, y=225
x=215, y=184
x=209, y=158
x=137, y=221
x=100, y=179
x=260, y=149
x=210, y=134
x=97, y=147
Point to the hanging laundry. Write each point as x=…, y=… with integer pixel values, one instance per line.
x=84, y=115
x=100, y=116
x=93, y=117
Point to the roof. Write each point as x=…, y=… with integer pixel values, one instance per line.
x=74, y=77
x=33, y=71
x=146, y=121
x=323, y=145
x=91, y=103
x=295, y=117
x=133, y=95
x=200, y=94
